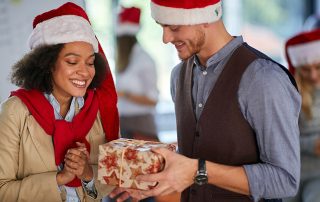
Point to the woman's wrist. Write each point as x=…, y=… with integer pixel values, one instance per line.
x=62, y=178
x=89, y=176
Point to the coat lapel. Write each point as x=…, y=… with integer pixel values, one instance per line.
x=43, y=143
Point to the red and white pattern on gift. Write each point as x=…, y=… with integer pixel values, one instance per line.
x=121, y=160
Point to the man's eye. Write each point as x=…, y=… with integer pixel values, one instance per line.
x=174, y=28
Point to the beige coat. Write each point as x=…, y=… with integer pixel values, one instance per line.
x=27, y=166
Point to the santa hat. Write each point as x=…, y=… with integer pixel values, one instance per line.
x=62, y=25
x=303, y=49
x=70, y=23
x=128, y=21
x=185, y=12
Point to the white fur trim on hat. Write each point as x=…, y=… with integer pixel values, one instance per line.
x=127, y=29
x=178, y=16
x=63, y=29
x=304, y=54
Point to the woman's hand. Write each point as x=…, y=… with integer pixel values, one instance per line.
x=64, y=177
x=77, y=162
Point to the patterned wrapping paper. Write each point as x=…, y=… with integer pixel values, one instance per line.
x=121, y=160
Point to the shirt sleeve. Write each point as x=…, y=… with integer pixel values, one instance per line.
x=271, y=105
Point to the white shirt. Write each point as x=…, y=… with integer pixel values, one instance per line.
x=140, y=77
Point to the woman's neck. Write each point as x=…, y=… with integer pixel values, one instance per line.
x=64, y=108
x=64, y=103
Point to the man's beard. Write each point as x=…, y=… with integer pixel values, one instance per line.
x=193, y=45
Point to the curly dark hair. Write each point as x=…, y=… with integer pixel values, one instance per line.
x=34, y=70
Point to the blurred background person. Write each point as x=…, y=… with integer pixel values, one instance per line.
x=303, y=55
x=136, y=80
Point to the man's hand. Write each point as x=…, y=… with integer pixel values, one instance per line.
x=177, y=175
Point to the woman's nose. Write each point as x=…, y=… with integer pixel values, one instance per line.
x=83, y=69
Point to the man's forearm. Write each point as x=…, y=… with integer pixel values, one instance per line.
x=232, y=178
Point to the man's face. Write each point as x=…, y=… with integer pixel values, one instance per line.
x=188, y=39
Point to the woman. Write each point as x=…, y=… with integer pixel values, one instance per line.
x=303, y=55
x=136, y=80
x=52, y=126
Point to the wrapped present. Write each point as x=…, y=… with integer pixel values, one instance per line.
x=121, y=160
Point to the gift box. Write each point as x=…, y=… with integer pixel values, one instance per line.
x=121, y=160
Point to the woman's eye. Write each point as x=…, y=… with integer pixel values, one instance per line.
x=90, y=62
x=71, y=63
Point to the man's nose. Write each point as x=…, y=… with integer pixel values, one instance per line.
x=167, y=35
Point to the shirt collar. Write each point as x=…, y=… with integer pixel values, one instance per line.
x=222, y=53
x=56, y=106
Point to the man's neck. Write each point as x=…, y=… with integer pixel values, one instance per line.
x=217, y=38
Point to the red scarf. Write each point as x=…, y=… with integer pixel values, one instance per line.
x=107, y=97
x=64, y=133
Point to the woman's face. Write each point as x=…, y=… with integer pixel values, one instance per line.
x=311, y=74
x=74, y=71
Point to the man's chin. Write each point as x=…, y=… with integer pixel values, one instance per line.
x=184, y=57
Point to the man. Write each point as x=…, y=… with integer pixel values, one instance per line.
x=237, y=113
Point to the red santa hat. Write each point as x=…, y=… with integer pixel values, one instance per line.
x=70, y=23
x=185, y=12
x=128, y=21
x=62, y=25
x=303, y=49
